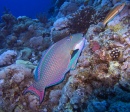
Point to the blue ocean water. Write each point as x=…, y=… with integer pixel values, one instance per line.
x=25, y=7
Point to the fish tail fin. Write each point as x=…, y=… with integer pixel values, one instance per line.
x=38, y=93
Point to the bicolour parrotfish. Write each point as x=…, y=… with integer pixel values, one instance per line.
x=113, y=12
x=56, y=62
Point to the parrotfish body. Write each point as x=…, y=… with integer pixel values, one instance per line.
x=57, y=61
x=113, y=12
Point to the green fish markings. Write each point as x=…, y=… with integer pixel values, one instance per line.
x=56, y=62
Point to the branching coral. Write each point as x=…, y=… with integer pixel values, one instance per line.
x=80, y=20
x=42, y=18
x=9, y=20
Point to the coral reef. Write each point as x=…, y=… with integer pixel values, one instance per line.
x=27, y=64
x=36, y=42
x=9, y=20
x=54, y=95
x=66, y=9
x=60, y=24
x=42, y=18
x=81, y=19
x=14, y=78
x=116, y=23
x=101, y=80
x=7, y=57
x=23, y=23
x=58, y=35
x=25, y=53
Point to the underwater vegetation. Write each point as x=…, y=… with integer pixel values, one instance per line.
x=90, y=78
x=42, y=18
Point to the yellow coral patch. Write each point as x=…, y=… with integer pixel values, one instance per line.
x=113, y=65
x=116, y=27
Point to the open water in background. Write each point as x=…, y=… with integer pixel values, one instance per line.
x=29, y=8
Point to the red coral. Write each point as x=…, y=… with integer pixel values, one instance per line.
x=94, y=45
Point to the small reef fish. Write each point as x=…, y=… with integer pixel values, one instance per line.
x=113, y=12
x=56, y=62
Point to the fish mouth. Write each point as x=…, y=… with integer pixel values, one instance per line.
x=80, y=44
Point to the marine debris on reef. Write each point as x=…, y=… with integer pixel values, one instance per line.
x=101, y=80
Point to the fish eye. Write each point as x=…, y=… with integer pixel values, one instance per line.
x=71, y=36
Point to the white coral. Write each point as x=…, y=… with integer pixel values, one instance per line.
x=60, y=23
x=18, y=72
x=7, y=57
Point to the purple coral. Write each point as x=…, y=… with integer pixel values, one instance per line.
x=36, y=42
x=94, y=45
x=7, y=57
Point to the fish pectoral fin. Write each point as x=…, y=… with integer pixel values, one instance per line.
x=74, y=58
x=76, y=53
x=38, y=93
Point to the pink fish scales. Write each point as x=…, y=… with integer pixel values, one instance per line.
x=57, y=61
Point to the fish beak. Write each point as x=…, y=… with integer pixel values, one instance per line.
x=80, y=44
